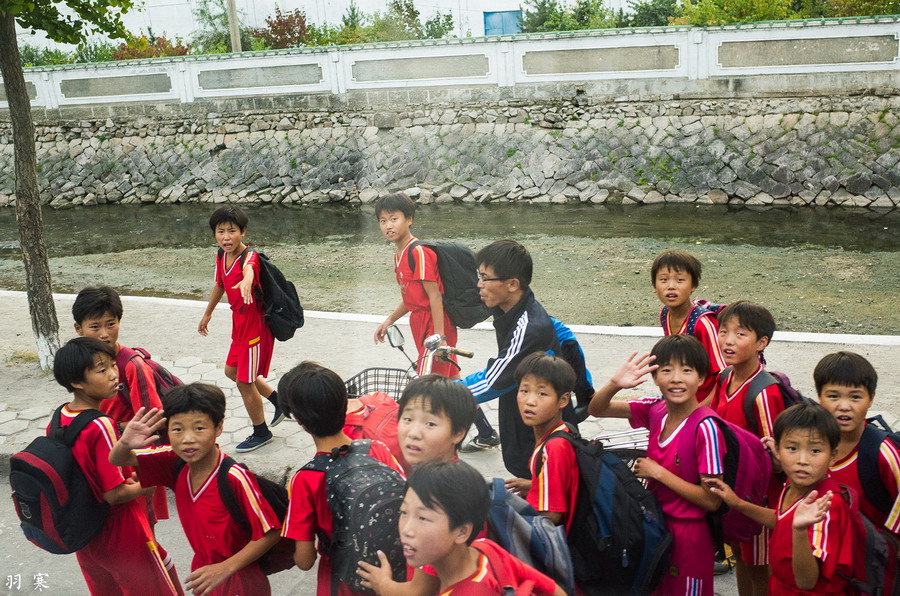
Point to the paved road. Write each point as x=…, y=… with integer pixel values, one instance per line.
x=167, y=328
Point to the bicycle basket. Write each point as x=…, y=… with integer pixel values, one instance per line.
x=390, y=380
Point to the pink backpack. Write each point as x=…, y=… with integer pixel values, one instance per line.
x=378, y=421
x=747, y=468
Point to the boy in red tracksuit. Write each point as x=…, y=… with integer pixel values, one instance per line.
x=420, y=285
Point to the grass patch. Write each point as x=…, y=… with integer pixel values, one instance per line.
x=22, y=356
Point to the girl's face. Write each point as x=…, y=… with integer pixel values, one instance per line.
x=678, y=382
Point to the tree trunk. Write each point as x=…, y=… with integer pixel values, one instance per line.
x=28, y=200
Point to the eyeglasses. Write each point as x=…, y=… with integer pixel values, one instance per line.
x=482, y=278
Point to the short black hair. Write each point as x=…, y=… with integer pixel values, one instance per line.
x=228, y=214
x=396, y=201
x=677, y=260
x=195, y=397
x=808, y=416
x=315, y=397
x=751, y=316
x=77, y=357
x=444, y=397
x=550, y=369
x=457, y=488
x=681, y=349
x=846, y=369
x=93, y=303
x=508, y=259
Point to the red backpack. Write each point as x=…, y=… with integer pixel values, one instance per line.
x=163, y=378
x=377, y=421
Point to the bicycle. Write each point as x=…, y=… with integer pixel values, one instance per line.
x=393, y=380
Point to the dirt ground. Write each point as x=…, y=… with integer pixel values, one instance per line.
x=580, y=280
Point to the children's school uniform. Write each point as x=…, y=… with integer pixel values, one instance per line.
x=831, y=541
x=846, y=472
x=693, y=553
x=124, y=558
x=485, y=579
x=767, y=405
x=209, y=527
x=707, y=331
x=142, y=393
x=251, y=339
x=554, y=476
x=308, y=514
x=416, y=300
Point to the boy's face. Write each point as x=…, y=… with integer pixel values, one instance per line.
x=538, y=402
x=394, y=225
x=425, y=533
x=425, y=435
x=673, y=288
x=105, y=328
x=496, y=292
x=193, y=436
x=101, y=380
x=230, y=237
x=739, y=344
x=848, y=405
x=805, y=456
x=678, y=382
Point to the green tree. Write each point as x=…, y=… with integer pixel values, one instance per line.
x=652, y=13
x=719, y=12
x=80, y=19
x=438, y=26
x=542, y=15
x=353, y=17
x=212, y=37
x=852, y=8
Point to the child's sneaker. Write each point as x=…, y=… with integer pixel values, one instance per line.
x=480, y=443
x=254, y=442
x=278, y=417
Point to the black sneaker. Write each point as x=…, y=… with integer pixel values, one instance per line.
x=254, y=442
x=278, y=417
x=480, y=443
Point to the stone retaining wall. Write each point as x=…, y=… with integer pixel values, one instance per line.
x=817, y=150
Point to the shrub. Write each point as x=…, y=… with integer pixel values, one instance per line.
x=136, y=48
x=283, y=30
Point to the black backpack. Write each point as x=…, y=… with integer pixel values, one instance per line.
x=618, y=537
x=54, y=501
x=364, y=497
x=763, y=379
x=867, y=466
x=283, y=311
x=459, y=274
x=281, y=556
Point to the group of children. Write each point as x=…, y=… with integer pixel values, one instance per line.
x=708, y=357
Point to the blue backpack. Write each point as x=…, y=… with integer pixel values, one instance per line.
x=529, y=536
x=701, y=308
x=618, y=537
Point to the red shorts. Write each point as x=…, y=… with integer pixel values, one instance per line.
x=690, y=569
x=421, y=326
x=124, y=558
x=251, y=346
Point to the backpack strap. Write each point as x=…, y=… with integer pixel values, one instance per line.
x=760, y=382
x=409, y=254
x=664, y=319
x=867, y=467
x=227, y=495
x=70, y=433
